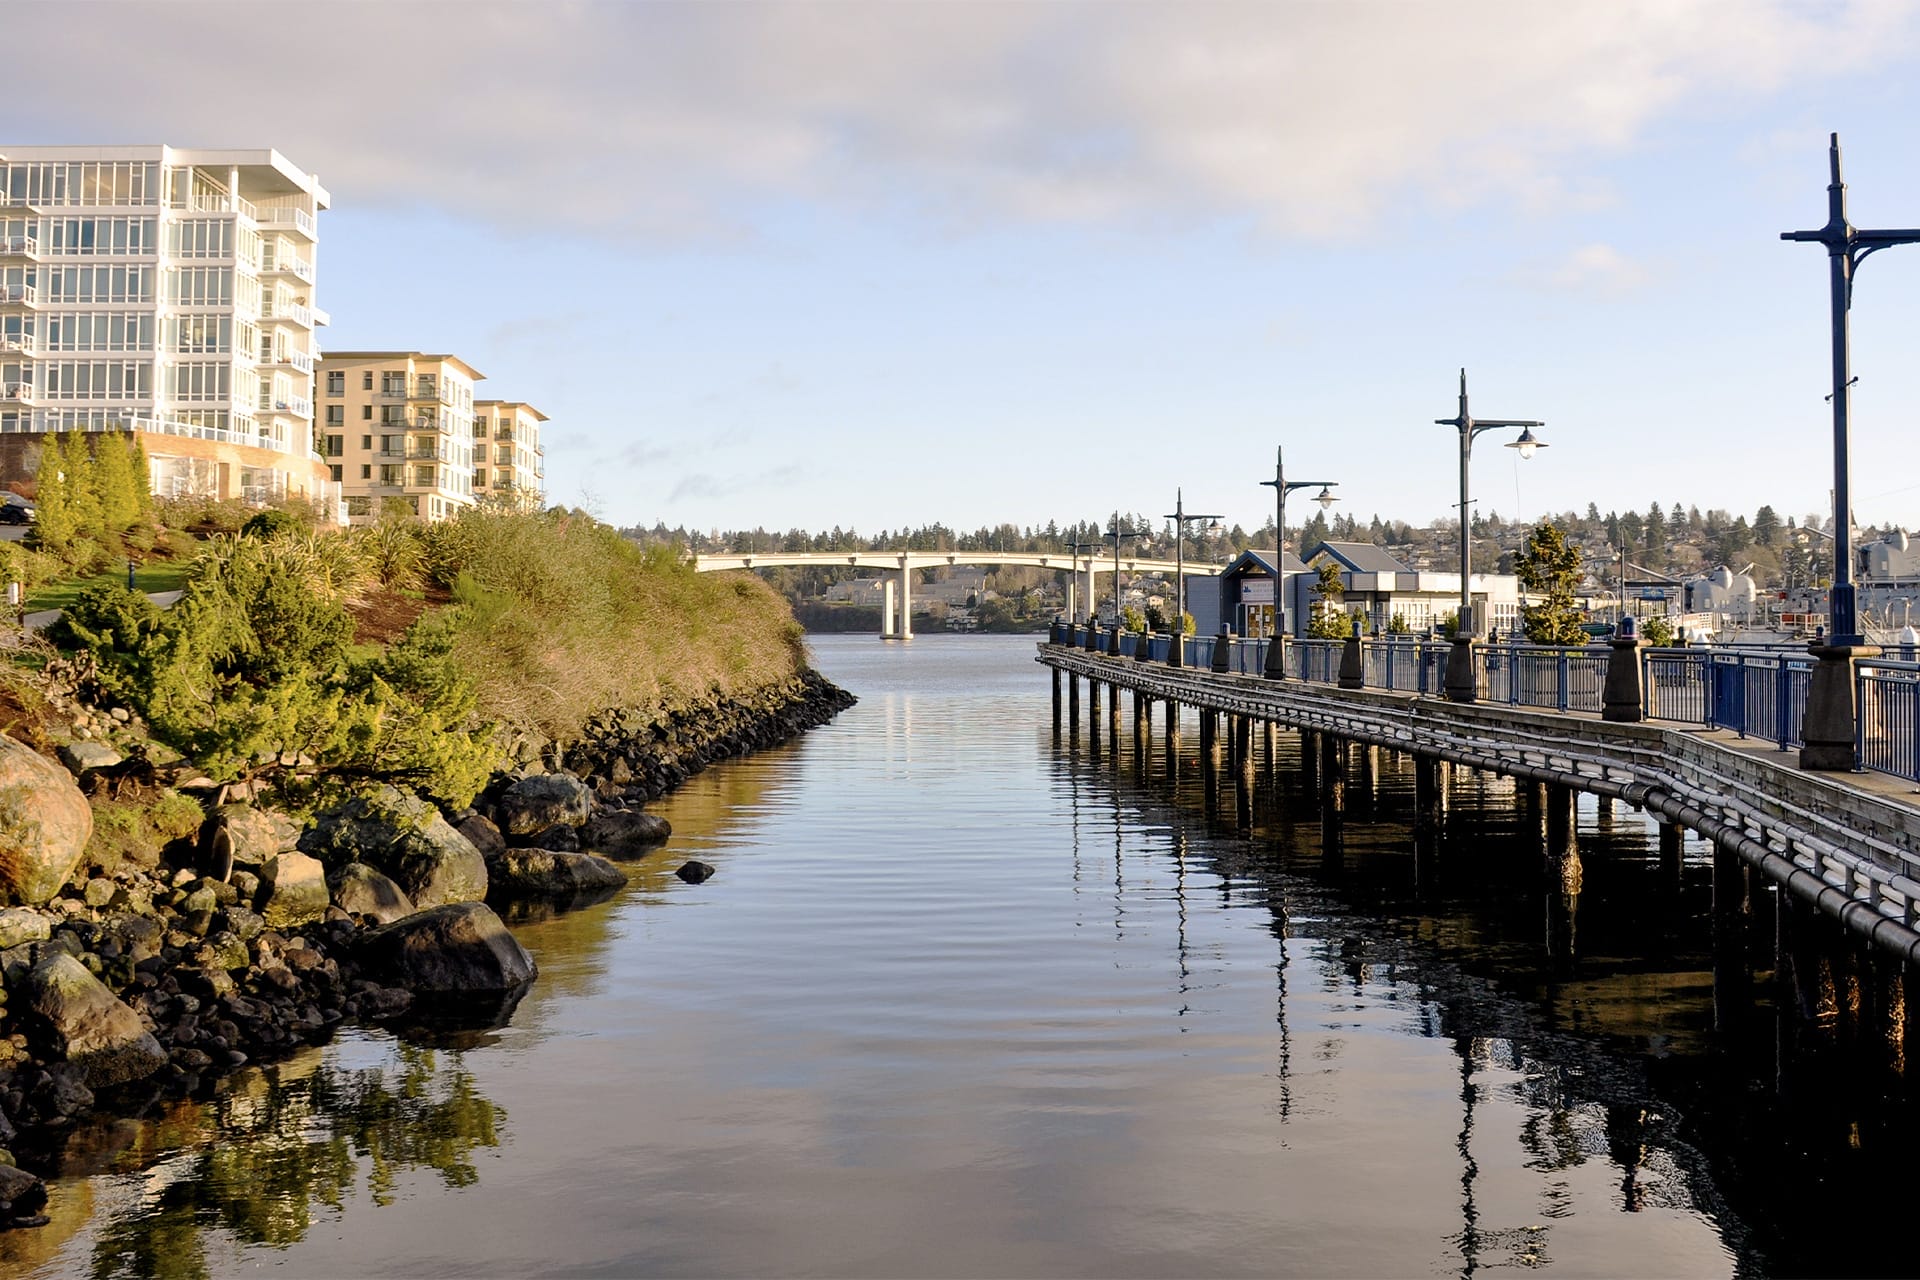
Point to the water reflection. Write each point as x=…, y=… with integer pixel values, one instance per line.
x=275, y=1148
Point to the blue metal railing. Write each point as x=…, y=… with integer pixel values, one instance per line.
x=1887, y=727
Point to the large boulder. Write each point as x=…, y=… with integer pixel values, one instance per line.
x=19, y=924
x=459, y=948
x=479, y=829
x=82, y=756
x=406, y=838
x=537, y=804
x=45, y=824
x=89, y=1025
x=624, y=833
x=293, y=890
x=241, y=834
x=543, y=873
x=360, y=890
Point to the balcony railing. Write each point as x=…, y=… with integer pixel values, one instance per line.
x=20, y=246
x=291, y=359
x=17, y=392
x=42, y=423
x=292, y=312
x=19, y=344
x=19, y=293
x=290, y=265
x=299, y=219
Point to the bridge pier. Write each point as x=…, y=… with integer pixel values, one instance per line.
x=1073, y=706
x=1056, y=703
x=1429, y=793
x=1672, y=845
x=1113, y=718
x=1310, y=759
x=1732, y=931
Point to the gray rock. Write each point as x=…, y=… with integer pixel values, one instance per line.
x=19, y=924
x=22, y=1192
x=363, y=891
x=695, y=872
x=87, y=1024
x=407, y=839
x=458, y=948
x=481, y=833
x=543, y=873
x=624, y=832
x=99, y=891
x=244, y=834
x=82, y=756
x=45, y=824
x=543, y=801
x=293, y=890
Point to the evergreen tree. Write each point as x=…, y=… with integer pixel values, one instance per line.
x=142, y=481
x=1655, y=532
x=1766, y=526
x=83, y=489
x=1329, y=622
x=114, y=481
x=55, y=524
x=1549, y=567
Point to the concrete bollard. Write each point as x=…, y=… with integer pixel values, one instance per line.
x=1353, y=663
x=1620, y=697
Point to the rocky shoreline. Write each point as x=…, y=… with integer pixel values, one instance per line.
x=260, y=934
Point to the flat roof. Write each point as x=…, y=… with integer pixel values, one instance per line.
x=472, y=372
x=512, y=404
x=268, y=170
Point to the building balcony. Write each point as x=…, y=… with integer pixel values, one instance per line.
x=16, y=295
x=19, y=247
x=289, y=265
x=17, y=393
x=19, y=344
x=296, y=360
x=288, y=313
x=216, y=202
x=432, y=394
x=297, y=220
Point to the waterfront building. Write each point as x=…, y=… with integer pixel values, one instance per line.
x=168, y=292
x=397, y=427
x=508, y=457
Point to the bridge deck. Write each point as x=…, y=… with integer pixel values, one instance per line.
x=1848, y=844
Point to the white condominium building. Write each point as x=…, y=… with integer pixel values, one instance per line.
x=508, y=458
x=171, y=292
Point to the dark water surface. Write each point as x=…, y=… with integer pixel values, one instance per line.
x=962, y=1002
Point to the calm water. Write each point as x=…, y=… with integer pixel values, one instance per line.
x=964, y=1002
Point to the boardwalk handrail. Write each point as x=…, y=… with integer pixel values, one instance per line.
x=1850, y=853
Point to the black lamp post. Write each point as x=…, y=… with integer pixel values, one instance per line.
x=1116, y=535
x=1460, y=680
x=1277, y=648
x=1827, y=729
x=1176, y=656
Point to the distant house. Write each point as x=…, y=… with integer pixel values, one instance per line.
x=1377, y=586
x=856, y=591
x=1247, y=590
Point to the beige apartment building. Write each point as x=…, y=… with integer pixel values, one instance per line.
x=168, y=292
x=508, y=458
x=398, y=427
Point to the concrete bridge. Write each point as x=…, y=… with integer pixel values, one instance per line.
x=1843, y=849
x=896, y=608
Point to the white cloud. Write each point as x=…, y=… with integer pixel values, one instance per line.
x=657, y=119
x=1594, y=268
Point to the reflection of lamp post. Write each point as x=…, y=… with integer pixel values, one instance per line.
x=1460, y=681
x=1277, y=649
x=1176, y=655
x=1827, y=732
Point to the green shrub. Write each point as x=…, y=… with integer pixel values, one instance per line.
x=272, y=522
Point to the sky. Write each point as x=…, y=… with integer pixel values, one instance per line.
x=879, y=265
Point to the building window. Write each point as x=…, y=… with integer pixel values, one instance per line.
x=366, y=442
x=366, y=413
x=336, y=415
x=366, y=471
x=366, y=380
x=480, y=479
x=336, y=382
x=336, y=446
x=336, y=474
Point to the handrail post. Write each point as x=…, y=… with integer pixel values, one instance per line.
x=1782, y=718
x=1566, y=673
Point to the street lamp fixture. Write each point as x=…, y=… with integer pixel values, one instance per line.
x=1827, y=731
x=1276, y=668
x=1176, y=655
x=1461, y=686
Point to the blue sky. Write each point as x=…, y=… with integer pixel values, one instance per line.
x=879, y=265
